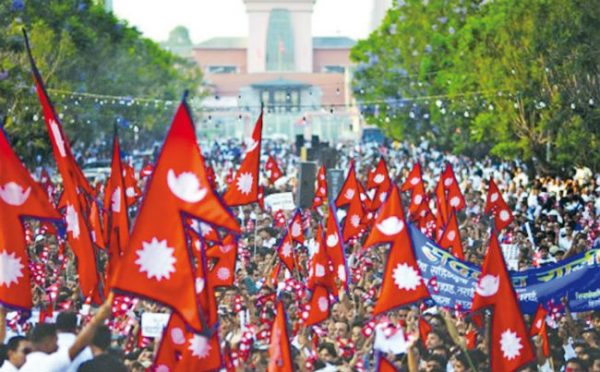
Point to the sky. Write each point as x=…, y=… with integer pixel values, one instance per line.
x=209, y=18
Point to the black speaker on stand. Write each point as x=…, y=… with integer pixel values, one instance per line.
x=306, y=184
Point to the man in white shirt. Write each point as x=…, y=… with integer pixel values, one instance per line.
x=16, y=350
x=46, y=357
x=66, y=327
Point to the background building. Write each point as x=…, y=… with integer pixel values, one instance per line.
x=302, y=80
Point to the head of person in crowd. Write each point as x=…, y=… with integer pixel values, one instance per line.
x=15, y=351
x=576, y=365
x=44, y=338
x=66, y=322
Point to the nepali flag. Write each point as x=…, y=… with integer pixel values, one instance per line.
x=510, y=343
x=72, y=201
x=157, y=263
x=321, y=189
x=496, y=205
x=273, y=169
x=402, y=280
x=20, y=196
x=244, y=187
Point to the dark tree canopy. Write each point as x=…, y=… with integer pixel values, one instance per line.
x=81, y=48
x=508, y=78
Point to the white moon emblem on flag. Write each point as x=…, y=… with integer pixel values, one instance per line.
x=390, y=226
x=12, y=193
x=488, y=285
x=186, y=186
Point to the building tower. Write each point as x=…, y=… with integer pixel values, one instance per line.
x=279, y=35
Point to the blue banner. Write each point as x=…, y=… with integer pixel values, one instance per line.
x=452, y=282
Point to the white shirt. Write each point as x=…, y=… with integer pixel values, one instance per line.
x=42, y=362
x=8, y=367
x=65, y=341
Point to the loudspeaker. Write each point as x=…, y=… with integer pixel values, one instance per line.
x=306, y=184
x=299, y=143
x=328, y=157
x=335, y=180
x=314, y=142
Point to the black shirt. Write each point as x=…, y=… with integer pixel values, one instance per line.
x=102, y=363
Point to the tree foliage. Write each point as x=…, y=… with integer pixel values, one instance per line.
x=81, y=48
x=508, y=78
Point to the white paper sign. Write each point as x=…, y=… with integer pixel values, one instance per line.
x=280, y=201
x=153, y=324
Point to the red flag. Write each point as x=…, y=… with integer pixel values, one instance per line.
x=285, y=251
x=335, y=247
x=275, y=172
x=417, y=198
x=295, y=228
x=115, y=204
x=321, y=189
x=456, y=200
x=156, y=263
x=379, y=179
x=212, y=178
x=384, y=365
x=222, y=273
x=96, y=225
x=349, y=190
x=538, y=327
x=538, y=321
x=20, y=196
x=353, y=221
x=244, y=187
x=402, y=281
x=320, y=272
x=414, y=178
x=261, y=197
x=510, y=344
x=319, y=306
x=78, y=234
x=132, y=190
x=424, y=329
x=451, y=238
x=183, y=350
x=280, y=355
x=441, y=202
x=497, y=206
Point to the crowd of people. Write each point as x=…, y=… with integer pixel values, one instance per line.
x=555, y=218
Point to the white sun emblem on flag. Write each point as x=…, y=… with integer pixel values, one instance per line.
x=115, y=200
x=199, y=346
x=244, y=183
x=510, y=344
x=355, y=220
x=323, y=304
x=223, y=273
x=296, y=229
x=504, y=215
x=406, y=277
x=72, y=221
x=286, y=250
x=156, y=259
x=11, y=269
x=379, y=178
x=342, y=272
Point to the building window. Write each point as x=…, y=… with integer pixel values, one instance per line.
x=222, y=70
x=280, y=42
x=281, y=100
x=333, y=69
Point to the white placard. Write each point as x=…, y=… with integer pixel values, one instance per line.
x=280, y=201
x=153, y=324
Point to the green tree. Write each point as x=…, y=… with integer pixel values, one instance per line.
x=507, y=78
x=81, y=48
